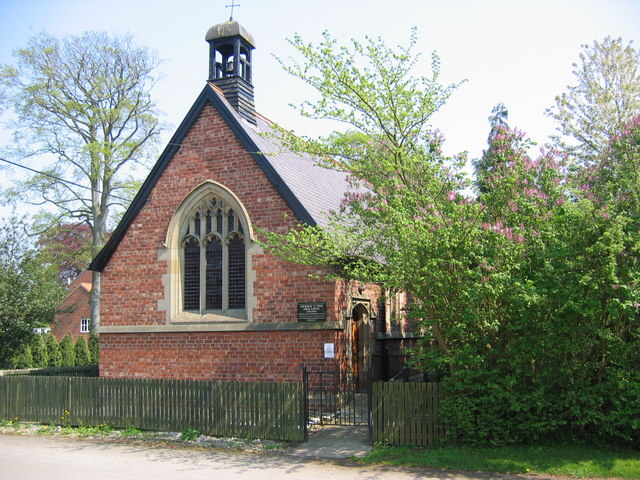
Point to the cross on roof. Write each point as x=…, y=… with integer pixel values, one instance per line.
x=233, y=4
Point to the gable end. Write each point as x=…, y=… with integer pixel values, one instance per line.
x=208, y=95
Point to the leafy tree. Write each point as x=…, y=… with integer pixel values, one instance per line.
x=68, y=246
x=614, y=178
x=498, y=119
x=551, y=313
x=392, y=157
x=67, y=349
x=94, y=348
x=53, y=349
x=83, y=355
x=39, y=352
x=528, y=294
x=605, y=97
x=83, y=104
x=486, y=164
x=29, y=289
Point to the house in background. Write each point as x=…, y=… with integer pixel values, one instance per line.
x=74, y=313
x=188, y=292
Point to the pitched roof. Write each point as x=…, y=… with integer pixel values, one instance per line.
x=84, y=281
x=308, y=189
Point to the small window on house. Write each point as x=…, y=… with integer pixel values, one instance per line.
x=84, y=325
x=213, y=258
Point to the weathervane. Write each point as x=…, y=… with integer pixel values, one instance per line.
x=233, y=4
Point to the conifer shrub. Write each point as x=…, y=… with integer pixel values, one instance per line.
x=39, y=352
x=94, y=348
x=53, y=349
x=83, y=356
x=67, y=350
x=22, y=359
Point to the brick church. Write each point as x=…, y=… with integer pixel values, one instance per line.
x=188, y=292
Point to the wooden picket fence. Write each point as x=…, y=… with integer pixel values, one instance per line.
x=267, y=410
x=406, y=413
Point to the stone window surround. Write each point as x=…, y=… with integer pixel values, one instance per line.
x=173, y=253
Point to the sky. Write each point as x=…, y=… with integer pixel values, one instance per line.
x=518, y=52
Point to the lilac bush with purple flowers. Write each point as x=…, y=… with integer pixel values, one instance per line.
x=526, y=292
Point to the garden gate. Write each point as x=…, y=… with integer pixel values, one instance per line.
x=337, y=398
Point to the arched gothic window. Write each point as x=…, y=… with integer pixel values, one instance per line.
x=213, y=258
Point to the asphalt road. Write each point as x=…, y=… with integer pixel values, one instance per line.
x=40, y=458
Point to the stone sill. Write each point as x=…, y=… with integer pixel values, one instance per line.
x=218, y=316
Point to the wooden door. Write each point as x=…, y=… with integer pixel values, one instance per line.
x=355, y=347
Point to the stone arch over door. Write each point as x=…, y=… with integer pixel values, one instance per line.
x=360, y=343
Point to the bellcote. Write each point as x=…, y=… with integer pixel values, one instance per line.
x=230, y=47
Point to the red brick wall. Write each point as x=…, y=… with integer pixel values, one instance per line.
x=132, y=281
x=244, y=356
x=74, y=308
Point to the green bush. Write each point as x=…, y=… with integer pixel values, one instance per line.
x=53, y=349
x=39, y=352
x=94, y=348
x=557, y=356
x=23, y=359
x=83, y=356
x=67, y=350
x=542, y=337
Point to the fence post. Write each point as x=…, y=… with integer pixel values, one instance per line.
x=370, y=403
x=305, y=402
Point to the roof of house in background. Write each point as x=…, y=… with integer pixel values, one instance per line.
x=84, y=281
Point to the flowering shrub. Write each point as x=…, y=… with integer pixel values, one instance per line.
x=527, y=292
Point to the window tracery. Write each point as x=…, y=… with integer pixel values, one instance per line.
x=214, y=258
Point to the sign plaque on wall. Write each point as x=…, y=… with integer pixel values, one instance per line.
x=312, y=311
x=329, y=350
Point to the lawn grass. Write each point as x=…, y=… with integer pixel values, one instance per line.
x=562, y=460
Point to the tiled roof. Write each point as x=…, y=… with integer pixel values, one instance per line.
x=318, y=189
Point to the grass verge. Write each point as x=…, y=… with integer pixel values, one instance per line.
x=560, y=460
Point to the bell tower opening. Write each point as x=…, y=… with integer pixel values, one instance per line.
x=230, y=49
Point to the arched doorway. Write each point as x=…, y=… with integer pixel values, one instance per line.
x=360, y=350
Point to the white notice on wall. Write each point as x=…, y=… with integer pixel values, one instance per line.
x=329, y=350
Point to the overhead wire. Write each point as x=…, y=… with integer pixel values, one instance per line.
x=59, y=179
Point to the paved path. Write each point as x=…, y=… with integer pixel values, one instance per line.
x=41, y=458
x=334, y=441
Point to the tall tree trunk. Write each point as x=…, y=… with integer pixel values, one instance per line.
x=97, y=230
x=95, y=303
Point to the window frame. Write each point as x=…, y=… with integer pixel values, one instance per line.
x=85, y=325
x=212, y=225
x=173, y=252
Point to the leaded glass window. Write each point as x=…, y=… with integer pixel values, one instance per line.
x=214, y=258
x=236, y=272
x=191, y=274
x=214, y=275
